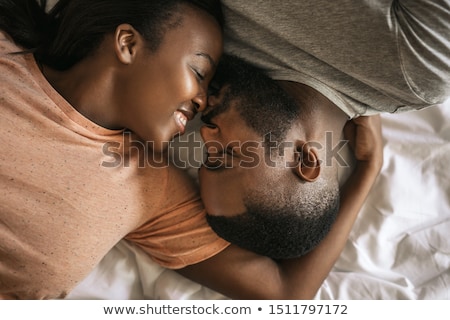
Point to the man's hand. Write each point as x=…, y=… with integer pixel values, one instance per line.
x=364, y=135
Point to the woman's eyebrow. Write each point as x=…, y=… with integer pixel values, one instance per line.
x=207, y=57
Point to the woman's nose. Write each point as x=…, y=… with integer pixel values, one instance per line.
x=200, y=102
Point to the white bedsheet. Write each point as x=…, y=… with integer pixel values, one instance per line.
x=399, y=247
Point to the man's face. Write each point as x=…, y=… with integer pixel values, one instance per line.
x=236, y=160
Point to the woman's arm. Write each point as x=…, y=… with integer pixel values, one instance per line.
x=241, y=274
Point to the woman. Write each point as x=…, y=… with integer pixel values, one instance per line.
x=112, y=63
x=73, y=81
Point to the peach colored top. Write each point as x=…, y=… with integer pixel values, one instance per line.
x=70, y=190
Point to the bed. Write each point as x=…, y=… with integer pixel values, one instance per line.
x=399, y=247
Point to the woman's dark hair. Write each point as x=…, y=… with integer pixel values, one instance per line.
x=73, y=29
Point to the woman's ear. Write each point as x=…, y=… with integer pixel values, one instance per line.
x=308, y=162
x=126, y=40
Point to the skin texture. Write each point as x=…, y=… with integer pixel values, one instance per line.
x=124, y=85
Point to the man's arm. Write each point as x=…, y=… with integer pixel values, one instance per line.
x=240, y=274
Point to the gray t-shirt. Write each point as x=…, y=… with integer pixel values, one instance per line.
x=367, y=56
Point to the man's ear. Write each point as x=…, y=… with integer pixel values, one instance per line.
x=126, y=41
x=308, y=162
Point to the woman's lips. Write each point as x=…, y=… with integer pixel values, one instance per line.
x=182, y=116
x=181, y=120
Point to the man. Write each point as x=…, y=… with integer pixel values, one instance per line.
x=318, y=52
x=267, y=189
x=269, y=157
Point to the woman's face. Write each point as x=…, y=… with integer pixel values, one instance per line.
x=166, y=88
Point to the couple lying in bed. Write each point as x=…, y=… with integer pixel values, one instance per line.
x=269, y=184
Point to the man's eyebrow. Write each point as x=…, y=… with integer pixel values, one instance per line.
x=208, y=57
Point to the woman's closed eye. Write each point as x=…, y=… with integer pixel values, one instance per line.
x=199, y=75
